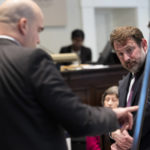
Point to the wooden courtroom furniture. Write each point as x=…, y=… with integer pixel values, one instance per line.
x=89, y=84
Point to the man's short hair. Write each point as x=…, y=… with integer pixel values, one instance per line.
x=16, y=12
x=122, y=34
x=77, y=33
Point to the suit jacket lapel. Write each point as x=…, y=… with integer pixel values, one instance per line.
x=82, y=56
x=137, y=91
x=123, y=90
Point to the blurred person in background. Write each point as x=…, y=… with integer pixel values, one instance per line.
x=109, y=99
x=84, y=53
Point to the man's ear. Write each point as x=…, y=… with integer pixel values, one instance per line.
x=144, y=44
x=23, y=26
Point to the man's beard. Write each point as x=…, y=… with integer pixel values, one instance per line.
x=134, y=66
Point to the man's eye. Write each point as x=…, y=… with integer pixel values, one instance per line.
x=120, y=54
x=129, y=50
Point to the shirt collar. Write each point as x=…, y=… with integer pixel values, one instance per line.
x=10, y=38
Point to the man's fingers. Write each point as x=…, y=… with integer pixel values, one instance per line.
x=128, y=122
x=122, y=112
x=125, y=117
x=125, y=126
x=132, y=108
x=128, y=137
x=125, y=133
x=130, y=116
x=121, y=147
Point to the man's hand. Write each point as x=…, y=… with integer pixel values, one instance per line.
x=115, y=147
x=125, y=116
x=123, y=139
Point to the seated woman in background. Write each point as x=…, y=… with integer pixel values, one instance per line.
x=109, y=99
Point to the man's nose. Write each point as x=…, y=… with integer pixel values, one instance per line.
x=125, y=57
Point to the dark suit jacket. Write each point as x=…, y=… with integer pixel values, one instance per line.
x=108, y=57
x=123, y=90
x=85, y=55
x=36, y=105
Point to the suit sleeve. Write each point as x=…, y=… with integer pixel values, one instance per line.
x=61, y=50
x=62, y=105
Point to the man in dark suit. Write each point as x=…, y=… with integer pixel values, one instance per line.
x=84, y=53
x=131, y=49
x=35, y=103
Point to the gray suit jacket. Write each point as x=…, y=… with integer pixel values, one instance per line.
x=123, y=89
x=36, y=105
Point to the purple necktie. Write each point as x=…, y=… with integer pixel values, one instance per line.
x=130, y=95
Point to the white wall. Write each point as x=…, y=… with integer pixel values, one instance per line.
x=109, y=18
x=54, y=37
x=104, y=23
